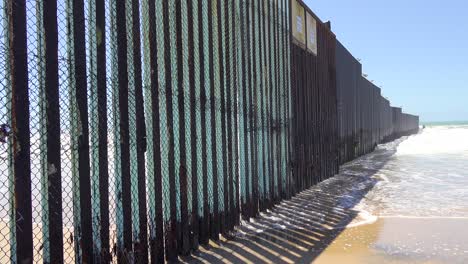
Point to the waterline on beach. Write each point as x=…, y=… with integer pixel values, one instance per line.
x=417, y=208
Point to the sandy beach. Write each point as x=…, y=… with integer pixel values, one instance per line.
x=401, y=240
x=404, y=203
x=68, y=250
x=387, y=240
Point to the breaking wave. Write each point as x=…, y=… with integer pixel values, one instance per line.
x=426, y=177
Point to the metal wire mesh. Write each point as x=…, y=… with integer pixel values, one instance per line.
x=153, y=125
x=5, y=180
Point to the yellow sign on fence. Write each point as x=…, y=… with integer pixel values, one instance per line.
x=311, y=33
x=298, y=22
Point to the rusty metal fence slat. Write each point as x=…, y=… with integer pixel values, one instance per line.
x=235, y=32
x=80, y=133
x=184, y=119
x=205, y=83
x=154, y=168
x=212, y=92
x=194, y=83
x=221, y=108
x=101, y=185
x=230, y=163
x=51, y=163
x=243, y=139
x=20, y=170
x=170, y=230
x=123, y=171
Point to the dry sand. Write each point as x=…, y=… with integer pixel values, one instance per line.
x=68, y=250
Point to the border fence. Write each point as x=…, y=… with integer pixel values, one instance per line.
x=365, y=117
x=132, y=131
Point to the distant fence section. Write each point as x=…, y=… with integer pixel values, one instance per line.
x=365, y=117
x=132, y=131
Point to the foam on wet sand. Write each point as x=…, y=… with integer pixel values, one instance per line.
x=407, y=202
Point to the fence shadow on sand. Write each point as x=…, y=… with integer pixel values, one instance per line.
x=300, y=229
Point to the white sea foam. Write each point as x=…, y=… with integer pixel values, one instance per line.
x=363, y=218
x=426, y=177
x=437, y=140
x=423, y=217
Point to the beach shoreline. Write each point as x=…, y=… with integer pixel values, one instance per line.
x=401, y=240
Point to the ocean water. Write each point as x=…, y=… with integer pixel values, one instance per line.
x=406, y=202
x=427, y=176
x=410, y=198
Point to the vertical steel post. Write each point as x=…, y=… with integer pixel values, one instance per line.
x=244, y=130
x=21, y=211
x=212, y=24
x=204, y=83
x=141, y=242
x=192, y=6
x=171, y=246
x=105, y=256
x=184, y=247
x=124, y=243
x=80, y=136
x=52, y=227
x=235, y=195
x=156, y=220
x=224, y=51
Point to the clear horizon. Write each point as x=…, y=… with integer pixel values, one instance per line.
x=417, y=51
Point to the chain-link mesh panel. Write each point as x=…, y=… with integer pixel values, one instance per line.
x=231, y=112
x=197, y=148
x=5, y=133
x=262, y=125
x=252, y=201
x=288, y=110
x=283, y=110
x=151, y=68
x=36, y=84
x=150, y=126
x=221, y=118
x=215, y=104
x=112, y=114
x=243, y=106
x=101, y=129
x=186, y=157
x=131, y=62
x=206, y=90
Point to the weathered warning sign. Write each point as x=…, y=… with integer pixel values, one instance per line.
x=298, y=21
x=311, y=33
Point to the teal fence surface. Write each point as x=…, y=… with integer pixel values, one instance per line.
x=132, y=131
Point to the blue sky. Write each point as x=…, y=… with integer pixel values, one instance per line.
x=416, y=50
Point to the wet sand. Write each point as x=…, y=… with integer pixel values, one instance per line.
x=327, y=224
x=300, y=229
x=401, y=240
x=387, y=240
x=286, y=240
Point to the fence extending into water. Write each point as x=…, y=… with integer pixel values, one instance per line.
x=133, y=131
